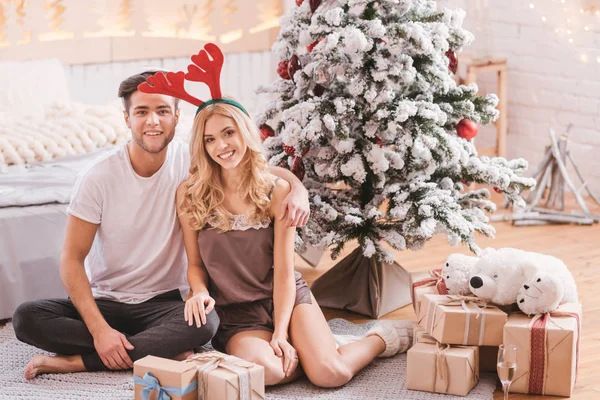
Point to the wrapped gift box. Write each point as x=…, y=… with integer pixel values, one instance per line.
x=225, y=377
x=155, y=375
x=462, y=320
x=547, y=350
x=425, y=282
x=442, y=368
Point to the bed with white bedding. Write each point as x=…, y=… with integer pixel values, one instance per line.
x=33, y=203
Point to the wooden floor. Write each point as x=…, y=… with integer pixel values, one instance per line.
x=578, y=246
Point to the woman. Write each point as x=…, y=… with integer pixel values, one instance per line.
x=239, y=251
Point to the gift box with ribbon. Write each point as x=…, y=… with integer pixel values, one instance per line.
x=225, y=377
x=157, y=378
x=425, y=282
x=462, y=320
x=439, y=368
x=547, y=350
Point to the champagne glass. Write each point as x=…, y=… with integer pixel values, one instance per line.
x=507, y=366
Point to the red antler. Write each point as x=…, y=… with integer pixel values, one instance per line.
x=207, y=71
x=170, y=84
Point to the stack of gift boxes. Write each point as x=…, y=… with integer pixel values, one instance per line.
x=211, y=375
x=457, y=337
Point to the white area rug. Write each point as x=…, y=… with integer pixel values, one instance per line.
x=383, y=379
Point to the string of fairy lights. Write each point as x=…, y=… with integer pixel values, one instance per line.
x=571, y=20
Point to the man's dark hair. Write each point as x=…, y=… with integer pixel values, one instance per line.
x=130, y=85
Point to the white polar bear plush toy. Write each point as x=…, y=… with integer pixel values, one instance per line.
x=538, y=283
x=456, y=273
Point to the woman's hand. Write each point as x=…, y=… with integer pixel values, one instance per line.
x=283, y=348
x=196, y=308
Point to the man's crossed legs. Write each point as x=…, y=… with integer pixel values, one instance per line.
x=155, y=327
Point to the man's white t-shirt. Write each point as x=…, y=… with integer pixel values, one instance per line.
x=138, y=250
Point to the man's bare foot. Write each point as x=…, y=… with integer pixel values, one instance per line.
x=183, y=356
x=43, y=364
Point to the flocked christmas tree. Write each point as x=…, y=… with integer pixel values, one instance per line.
x=368, y=113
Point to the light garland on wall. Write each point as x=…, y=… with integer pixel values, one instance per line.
x=576, y=17
x=96, y=31
x=204, y=20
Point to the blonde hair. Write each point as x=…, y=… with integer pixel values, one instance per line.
x=203, y=196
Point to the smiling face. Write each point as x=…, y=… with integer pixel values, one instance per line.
x=223, y=141
x=152, y=119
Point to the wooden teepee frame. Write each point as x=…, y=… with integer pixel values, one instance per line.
x=552, y=176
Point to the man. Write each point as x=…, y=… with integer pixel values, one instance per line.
x=123, y=263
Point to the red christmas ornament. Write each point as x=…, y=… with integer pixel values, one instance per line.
x=282, y=70
x=266, y=131
x=299, y=2
x=298, y=168
x=289, y=150
x=452, y=61
x=318, y=90
x=314, y=4
x=497, y=190
x=466, y=129
x=466, y=183
x=378, y=141
x=311, y=46
x=293, y=66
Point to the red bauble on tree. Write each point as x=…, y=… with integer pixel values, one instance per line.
x=265, y=132
x=282, y=70
x=298, y=168
x=289, y=150
x=497, y=190
x=466, y=129
x=293, y=66
x=452, y=61
x=299, y=2
x=287, y=68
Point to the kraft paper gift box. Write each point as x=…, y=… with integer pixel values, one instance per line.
x=462, y=320
x=155, y=377
x=425, y=282
x=434, y=367
x=488, y=355
x=547, y=350
x=225, y=377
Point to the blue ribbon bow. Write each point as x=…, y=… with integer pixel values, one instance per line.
x=151, y=383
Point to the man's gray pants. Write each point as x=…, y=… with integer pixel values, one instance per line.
x=155, y=327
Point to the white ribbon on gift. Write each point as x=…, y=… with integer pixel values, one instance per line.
x=213, y=360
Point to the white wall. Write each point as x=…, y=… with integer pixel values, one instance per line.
x=242, y=74
x=548, y=83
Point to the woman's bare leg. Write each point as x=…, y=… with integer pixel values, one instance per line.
x=254, y=346
x=323, y=364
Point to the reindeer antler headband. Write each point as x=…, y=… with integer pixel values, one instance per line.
x=202, y=69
